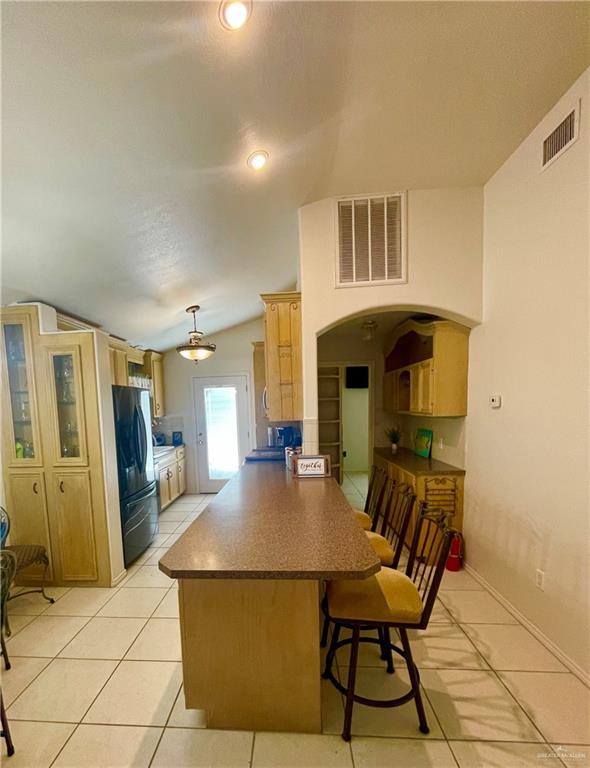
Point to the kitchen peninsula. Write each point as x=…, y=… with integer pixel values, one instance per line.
x=249, y=571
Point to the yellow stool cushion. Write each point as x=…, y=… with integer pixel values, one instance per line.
x=381, y=547
x=363, y=519
x=389, y=597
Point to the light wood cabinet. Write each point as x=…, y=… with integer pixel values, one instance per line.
x=173, y=480
x=21, y=436
x=28, y=515
x=181, y=476
x=153, y=366
x=282, y=349
x=260, y=412
x=66, y=502
x=426, y=370
x=437, y=483
x=68, y=424
x=171, y=476
x=119, y=366
x=75, y=526
x=163, y=476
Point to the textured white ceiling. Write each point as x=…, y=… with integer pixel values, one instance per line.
x=126, y=127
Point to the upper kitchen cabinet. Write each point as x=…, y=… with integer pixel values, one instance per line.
x=119, y=366
x=282, y=349
x=153, y=364
x=21, y=435
x=66, y=412
x=426, y=369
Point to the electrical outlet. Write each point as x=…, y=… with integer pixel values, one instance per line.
x=495, y=401
x=540, y=579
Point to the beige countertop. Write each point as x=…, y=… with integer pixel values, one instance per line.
x=266, y=524
x=417, y=465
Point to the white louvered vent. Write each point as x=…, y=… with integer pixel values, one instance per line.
x=371, y=240
x=561, y=137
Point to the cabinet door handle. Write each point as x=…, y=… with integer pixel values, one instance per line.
x=61, y=486
x=35, y=489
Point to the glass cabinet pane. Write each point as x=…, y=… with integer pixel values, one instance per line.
x=18, y=384
x=67, y=411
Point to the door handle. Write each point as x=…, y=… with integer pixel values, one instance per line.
x=61, y=486
x=35, y=489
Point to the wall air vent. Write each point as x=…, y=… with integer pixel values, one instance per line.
x=371, y=240
x=561, y=137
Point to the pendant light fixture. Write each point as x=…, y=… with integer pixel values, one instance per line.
x=195, y=350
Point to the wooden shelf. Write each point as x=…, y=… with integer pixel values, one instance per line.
x=330, y=443
x=328, y=421
x=327, y=399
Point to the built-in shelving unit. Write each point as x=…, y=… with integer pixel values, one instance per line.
x=330, y=416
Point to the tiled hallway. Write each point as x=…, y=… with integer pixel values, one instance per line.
x=96, y=683
x=355, y=486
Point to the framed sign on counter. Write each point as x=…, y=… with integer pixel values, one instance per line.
x=312, y=466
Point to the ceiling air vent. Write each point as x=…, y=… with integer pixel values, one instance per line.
x=561, y=137
x=371, y=240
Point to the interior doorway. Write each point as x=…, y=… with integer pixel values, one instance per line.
x=222, y=416
x=355, y=418
x=345, y=417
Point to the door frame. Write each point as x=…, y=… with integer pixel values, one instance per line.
x=196, y=380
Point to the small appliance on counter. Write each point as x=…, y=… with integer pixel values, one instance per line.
x=283, y=437
x=159, y=438
x=138, y=493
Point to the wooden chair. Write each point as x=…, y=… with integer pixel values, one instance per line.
x=367, y=518
x=388, y=599
x=26, y=555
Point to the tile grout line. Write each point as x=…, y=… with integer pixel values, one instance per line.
x=252, y=749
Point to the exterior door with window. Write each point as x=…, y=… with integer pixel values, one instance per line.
x=223, y=437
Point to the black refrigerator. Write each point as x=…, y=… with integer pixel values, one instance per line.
x=138, y=493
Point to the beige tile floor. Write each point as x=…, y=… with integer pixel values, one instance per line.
x=96, y=683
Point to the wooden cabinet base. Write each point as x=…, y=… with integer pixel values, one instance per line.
x=250, y=652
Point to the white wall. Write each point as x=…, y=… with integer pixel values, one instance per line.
x=355, y=429
x=527, y=503
x=233, y=356
x=450, y=431
x=444, y=228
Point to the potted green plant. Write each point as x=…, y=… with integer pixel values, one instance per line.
x=394, y=436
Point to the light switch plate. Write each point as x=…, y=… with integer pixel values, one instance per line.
x=495, y=401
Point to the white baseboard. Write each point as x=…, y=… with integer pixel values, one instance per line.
x=575, y=668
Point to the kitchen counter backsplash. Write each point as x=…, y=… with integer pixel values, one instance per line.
x=167, y=425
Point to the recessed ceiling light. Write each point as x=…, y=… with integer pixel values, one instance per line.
x=233, y=14
x=258, y=159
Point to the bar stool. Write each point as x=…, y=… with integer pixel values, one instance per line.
x=397, y=503
x=390, y=599
x=366, y=518
x=389, y=542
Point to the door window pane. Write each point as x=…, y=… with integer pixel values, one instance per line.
x=67, y=412
x=221, y=414
x=18, y=384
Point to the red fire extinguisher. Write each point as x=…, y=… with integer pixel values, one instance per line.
x=455, y=558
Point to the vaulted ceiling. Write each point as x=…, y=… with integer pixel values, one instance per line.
x=126, y=127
